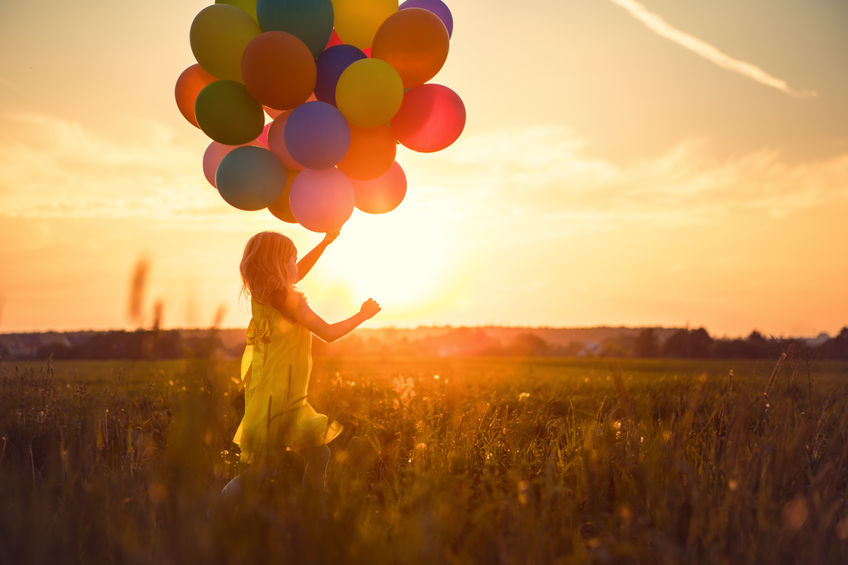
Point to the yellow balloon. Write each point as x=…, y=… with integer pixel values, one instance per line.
x=369, y=93
x=219, y=34
x=356, y=21
x=248, y=6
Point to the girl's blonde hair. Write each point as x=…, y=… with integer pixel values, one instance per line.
x=263, y=268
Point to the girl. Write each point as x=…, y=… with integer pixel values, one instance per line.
x=278, y=360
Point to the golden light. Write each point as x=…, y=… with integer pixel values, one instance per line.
x=406, y=260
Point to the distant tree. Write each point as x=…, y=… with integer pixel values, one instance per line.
x=835, y=348
x=528, y=344
x=647, y=344
x=624, y=346
x=685, y=344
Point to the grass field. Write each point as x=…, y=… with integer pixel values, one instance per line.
x=441, y=461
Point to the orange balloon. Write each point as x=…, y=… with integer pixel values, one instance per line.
x=191, y=82
x=281, y=209
x=382, y=194
x=415, y=42
x=371, y=153
x=278, y=70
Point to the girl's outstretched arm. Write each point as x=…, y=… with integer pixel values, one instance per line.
x=332, y=332
x=309, y=260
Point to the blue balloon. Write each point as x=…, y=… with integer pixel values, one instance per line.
x=317, y=135
x=250, y=178
x=331, y=65
x=309, y=20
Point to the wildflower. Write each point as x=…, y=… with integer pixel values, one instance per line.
x=523, y=489
x=795, y=513
x=523, y=396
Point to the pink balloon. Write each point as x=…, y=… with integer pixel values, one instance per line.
x=321, y=199
x=430, y=118
x=277, y=142
x=262, y=140
x=382, y=194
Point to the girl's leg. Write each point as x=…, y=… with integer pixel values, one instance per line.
x=317, y=459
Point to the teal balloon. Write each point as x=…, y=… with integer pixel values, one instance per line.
x=227, y=113
x=250, y=178
x=309, y=20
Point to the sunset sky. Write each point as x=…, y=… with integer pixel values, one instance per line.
x=624, y=163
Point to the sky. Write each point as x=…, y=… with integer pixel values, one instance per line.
x=624, y=162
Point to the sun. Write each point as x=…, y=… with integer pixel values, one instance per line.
x=406, y=260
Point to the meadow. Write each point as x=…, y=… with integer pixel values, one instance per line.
x=443, y=460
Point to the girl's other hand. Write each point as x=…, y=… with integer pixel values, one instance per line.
x=330, y=237
x=370, y=308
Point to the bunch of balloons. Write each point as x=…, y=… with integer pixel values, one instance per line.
x=342, y=83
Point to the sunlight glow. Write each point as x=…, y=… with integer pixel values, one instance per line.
x=404, y=260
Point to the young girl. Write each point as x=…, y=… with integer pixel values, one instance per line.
x=278, y=359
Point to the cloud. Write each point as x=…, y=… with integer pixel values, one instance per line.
x=58, y=168
x=709, y=52
x=542, y=181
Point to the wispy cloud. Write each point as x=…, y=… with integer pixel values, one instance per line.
x=658, y=25
x=538, y=181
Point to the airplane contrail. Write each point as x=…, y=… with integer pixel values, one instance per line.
x=709, y=52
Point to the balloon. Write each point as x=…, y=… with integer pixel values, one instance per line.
x=382, y=194
x=227, y=112
x=356, y=21
x=278, y=70
x=437, y=7
x=369, y=92
x=334, y=40
x=413, y=41
x=212, y=158
x=281, y=208
x=431, y=118
x=248, y=6
x=262, y=139
x=277, y=142
x=218, y=36
x=331, y=64
x=191, y=82
x=250, y=178
x=273, y=113
x=321, y=200
x=310, y=20
x=317, y=135
x=372, y=151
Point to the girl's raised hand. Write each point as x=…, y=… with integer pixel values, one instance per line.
x=370, y=308
x=330, y=237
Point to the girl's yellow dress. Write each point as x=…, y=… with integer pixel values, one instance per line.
x=275, y=372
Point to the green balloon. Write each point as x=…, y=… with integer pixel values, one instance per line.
x=227, y=113
x=248, y=6
x=311, y=21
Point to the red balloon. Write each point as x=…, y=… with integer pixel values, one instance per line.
x=278, y=70
x=383, y=194
x=191, y=82
x=430, y=118
x=321, y=199
x=277, y=142
x=334, y=40
x=371, y=152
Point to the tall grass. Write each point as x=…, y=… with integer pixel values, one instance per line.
x=441, y=461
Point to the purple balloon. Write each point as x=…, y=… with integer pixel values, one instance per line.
x=317, y=135
x=437, y=7
x=331, y=64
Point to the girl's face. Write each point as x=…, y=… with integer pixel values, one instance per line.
x=291, y=268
